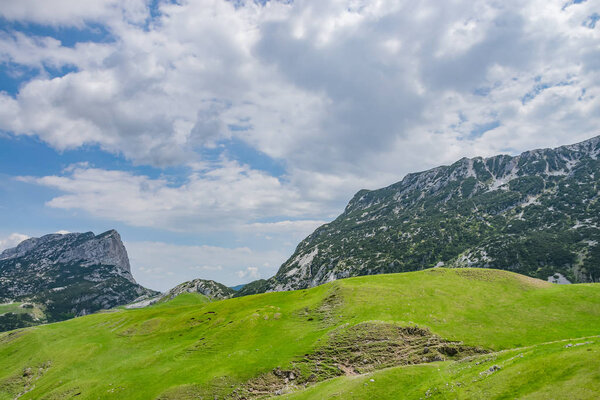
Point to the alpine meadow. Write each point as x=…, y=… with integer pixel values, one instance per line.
x=296, y=199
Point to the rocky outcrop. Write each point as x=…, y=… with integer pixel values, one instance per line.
x=85, y=249
x=537, y=214
x=211, y=289
x=208, y=288
x=70, y=275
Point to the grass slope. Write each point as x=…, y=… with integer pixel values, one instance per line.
x=545, y=371
x=192, y=347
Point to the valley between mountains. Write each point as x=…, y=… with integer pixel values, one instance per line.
x=474, y=280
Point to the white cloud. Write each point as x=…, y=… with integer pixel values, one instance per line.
x=207, y=268
x=292, y=230
x=345, y=94
x=248, y=273
x=73, y=12
x=47, y=52
x=328, y=87
x=11, y=240
x=229, y=196
x=162, y=265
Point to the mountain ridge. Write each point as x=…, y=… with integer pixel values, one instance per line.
x=527, y=204
x=68, y=275
x=213, y=290
x=206, y=287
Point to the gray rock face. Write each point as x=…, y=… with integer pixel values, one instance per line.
x=537, y=214
x=211, y=289
x=558, y=279
x=70, y=275
x=83, y=248
x=208, y=288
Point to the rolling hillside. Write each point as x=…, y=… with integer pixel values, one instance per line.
x=437, y=333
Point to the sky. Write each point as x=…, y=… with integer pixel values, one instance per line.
x=214, y=135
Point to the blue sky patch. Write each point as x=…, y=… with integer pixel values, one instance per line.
x=482, y=91
x=13, y=76
x=480, y=129
x=68, y=36
x=590, y=22
x=238, y=150
x=571, y=2
x=539, y=88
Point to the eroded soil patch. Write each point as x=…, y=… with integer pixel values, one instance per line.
x=24, y=381
x=326, y=313
x=353, y=350
x=10, y=336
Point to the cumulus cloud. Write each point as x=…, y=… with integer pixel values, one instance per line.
x=162, y=265
x=326, y=86
x=293, y=231
x=345, y=94
x=230, y=196
x=250, y=272
x=11, y=240
x=73, y=12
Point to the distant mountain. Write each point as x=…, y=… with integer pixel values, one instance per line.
x=68, y=275
x=537, y=214
x=258, y=286
x=208, y=288
x=211, y=289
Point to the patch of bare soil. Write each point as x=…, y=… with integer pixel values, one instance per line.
x=10, y=336
x=326, y=313
x=356, y=350
x=24, y=382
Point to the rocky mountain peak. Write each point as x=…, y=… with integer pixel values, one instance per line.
x=85, y=249
x=537, y=213
x=487, y=173
x=69, y=274
x=208, y=288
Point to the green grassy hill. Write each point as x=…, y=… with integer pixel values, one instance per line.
x=438, y=333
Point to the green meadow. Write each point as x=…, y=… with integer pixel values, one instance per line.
x=494, y=334
x=546, y=371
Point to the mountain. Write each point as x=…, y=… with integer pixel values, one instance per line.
x=238, y=287
x=208, y=288
x=537, y=214
x=441, y=333
x=67, y=275
x=254, y=287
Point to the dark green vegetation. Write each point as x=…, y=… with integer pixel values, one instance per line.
x=439, y=333
x=237, y=287
x=63, y=276
x=254, y=287
x=537, y=214
x=20, y=315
